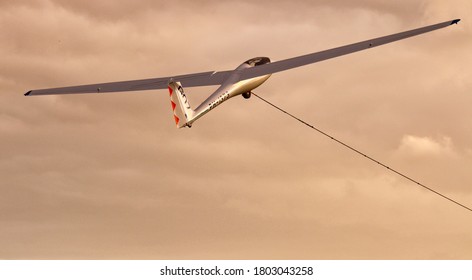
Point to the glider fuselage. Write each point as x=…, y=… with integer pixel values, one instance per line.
x=231, y=87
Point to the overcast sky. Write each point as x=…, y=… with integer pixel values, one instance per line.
x=109, y=176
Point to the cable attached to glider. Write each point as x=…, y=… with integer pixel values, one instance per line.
x=362, y=154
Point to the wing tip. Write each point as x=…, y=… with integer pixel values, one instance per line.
x=28, y=93
x=456, y=21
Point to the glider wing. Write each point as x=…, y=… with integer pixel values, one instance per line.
x=190, y=80
x=294, y=62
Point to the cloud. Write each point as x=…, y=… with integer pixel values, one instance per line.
x=426, y=146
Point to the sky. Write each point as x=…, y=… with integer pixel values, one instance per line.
x=109, y=176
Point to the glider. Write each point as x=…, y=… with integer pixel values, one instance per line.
x=241, y=81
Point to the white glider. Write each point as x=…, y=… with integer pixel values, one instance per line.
x=240, y=81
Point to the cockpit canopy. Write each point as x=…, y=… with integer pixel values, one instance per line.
x=257, y=61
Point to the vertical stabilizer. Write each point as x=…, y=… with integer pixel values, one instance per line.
x=183, y=113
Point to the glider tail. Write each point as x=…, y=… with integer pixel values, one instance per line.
x=183, y=113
